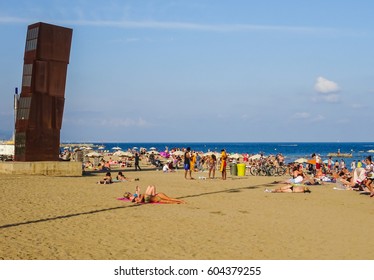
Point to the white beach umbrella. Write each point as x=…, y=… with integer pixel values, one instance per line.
x=257, y=156
x=371, y=151
x=94, y=154
x=119, y=153
x=301, y=160
x=117, y=148
x=178, y=153
x=153, y=148
x=236, y=155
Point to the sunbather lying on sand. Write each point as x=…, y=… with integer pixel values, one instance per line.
x=107, y=179
x=290, y=189
x=150, y=195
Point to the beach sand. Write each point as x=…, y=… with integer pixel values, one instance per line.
x=74, y=218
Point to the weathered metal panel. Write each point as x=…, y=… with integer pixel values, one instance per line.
x=41, y=103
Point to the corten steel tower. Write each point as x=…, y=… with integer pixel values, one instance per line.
x=41, y=102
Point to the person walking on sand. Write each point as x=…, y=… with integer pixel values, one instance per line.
x=223, y=164
x=137, y=159
x=187, y=163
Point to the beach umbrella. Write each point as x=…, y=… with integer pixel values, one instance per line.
x=257, y=156
x=153, y=152
x=153, y=148
x=126, y=154
x=94, y=154
x=178, y=153
x=371, y=151
x=117, y=148
x=122, y=154
x=301, y=160
x=101, y=148
x=236, y=155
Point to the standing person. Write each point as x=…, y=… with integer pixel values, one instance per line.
x=353, y=165
x=329, y=164
x=137, y=159
x=342, y=164
x=336, y=166
x=192, y=161
x=212, y=165
x=223, y=164
x=187, y=163
x=318, y=163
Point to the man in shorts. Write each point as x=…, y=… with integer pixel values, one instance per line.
x=187, y=163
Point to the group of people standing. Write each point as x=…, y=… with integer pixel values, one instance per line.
x=190, y=160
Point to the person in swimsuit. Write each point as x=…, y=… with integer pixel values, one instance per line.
x=187, y=163
x=212, y=166
x=290, y=189
x=223, y=164
x=151, y=195
x=107, y=179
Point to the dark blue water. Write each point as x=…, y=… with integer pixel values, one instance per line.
x=292, y=151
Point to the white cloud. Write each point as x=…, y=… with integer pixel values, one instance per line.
x=127, y=122
x=318, y=118
x=301, y=115
x=108, y=122
x=171, y=25
x=358, y=106
x=324, y=85
x=328, y=90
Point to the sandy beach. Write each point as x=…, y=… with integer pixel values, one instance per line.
x=70, y=218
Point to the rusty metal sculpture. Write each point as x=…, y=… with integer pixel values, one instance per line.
x=41, y=103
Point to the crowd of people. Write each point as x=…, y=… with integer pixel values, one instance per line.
x=359, y=176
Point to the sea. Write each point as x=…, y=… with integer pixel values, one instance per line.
x=291, y=150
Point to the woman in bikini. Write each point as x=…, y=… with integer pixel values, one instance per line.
x=151, y=195
x=290, y=189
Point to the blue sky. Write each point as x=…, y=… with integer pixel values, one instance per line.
x=200, y=70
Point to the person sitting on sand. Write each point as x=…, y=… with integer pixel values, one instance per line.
x=107, y=179
x=290, y=189
x=121, y=177
x=297, y=175
x=151, y=195
x=166, y=168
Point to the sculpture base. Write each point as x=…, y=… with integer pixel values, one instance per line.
x=48, y=168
